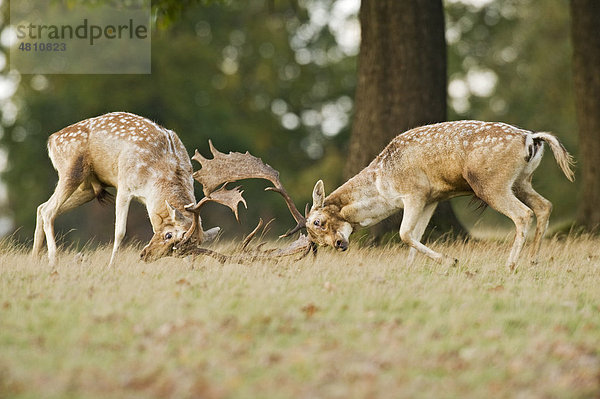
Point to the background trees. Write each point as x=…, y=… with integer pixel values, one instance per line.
x=401, y=82
x=586, y=71
x=279, y=79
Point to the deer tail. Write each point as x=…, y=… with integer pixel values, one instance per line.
x=563, y=158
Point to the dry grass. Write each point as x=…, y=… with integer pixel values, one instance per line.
x=357, y=324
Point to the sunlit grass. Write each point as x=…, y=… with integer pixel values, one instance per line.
x=354, y=324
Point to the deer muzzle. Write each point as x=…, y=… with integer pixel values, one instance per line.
x=341, y=244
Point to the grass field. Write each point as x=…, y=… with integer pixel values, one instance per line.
x=359, y=324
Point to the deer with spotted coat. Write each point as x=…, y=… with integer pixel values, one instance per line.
x=139, y=158
x=425, y=165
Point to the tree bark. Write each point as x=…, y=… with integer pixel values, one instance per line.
x=401, y=83
x=585, y=20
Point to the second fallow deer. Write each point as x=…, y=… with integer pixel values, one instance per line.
x=425, y=165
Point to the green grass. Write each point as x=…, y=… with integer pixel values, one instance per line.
x=357, y=324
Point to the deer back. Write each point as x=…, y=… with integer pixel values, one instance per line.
x=126, y=151
x=441, y=155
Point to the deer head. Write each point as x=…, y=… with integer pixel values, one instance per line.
x=324, y=223
x=172, y=231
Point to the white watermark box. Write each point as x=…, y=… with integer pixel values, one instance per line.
x=80, y=37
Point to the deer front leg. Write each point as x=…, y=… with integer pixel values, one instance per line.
x=420, y=229
x=414, y=212
x=122, y=201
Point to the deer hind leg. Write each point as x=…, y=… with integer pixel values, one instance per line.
x=81, y=195
x=38, y=236
x=541, y=208
x=508, y=204
x=47, y=213
x=416, y=211
x=419, y=229
x=122, y=202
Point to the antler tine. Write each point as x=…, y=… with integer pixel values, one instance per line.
x=288, y=200
x=250, y=236
x=301, y=223
x=300, y=220
x=212, y=148
x=198, y=157
x=229, y=198
x=195, y=227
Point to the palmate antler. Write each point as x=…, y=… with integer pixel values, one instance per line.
x=238, y=166
x=214, y=175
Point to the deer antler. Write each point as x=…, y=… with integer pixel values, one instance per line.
x=238, y=166
x=230, y=198
x=302, y=246
x=214, y=176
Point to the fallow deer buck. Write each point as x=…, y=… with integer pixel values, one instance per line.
x=142, y=160
x=425, y=165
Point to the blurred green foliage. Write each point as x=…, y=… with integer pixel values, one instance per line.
x=260, y=76
x=222, y=72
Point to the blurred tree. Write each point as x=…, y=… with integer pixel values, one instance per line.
x=401, y=83
x=272, y=78
x=585, y=16
x=228, y=73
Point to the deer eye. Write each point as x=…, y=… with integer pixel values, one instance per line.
x=317, y=222
x=168, y=236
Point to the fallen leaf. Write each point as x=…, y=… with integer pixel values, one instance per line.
x=309, y=310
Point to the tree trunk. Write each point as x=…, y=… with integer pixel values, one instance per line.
x=401, y=84
x=585, y=20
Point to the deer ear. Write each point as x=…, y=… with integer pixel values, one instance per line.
x=318, y=195
x=174, y=213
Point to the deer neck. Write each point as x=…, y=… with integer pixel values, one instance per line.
x=175, y=191
x=361, y=200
